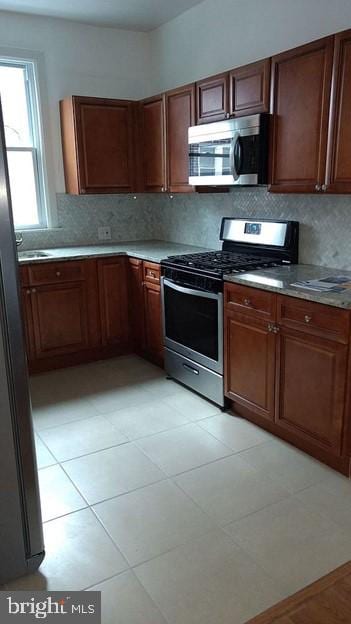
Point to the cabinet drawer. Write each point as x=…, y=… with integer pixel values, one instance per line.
x=152, y=272
x=249, y=300
x=52, y=272
x=314, y=318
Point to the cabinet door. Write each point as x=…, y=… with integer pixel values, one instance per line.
x=113, y=298
x=180, y=115
x=103, y=142
x=153, y=144
x=250, y=363
x=339, y=157
x=212, y=99
x=136, y=303
x=249, y=89
x=28, y=327
x=153, y=322
x=311, y=378
x=301, y=82
x=60, y=318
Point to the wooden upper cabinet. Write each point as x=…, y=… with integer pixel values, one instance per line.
x=339, y=152
x=300, y=97
x=249, y=88
x=153, y=144
x=180, y=115
x=98, y=145
x=212, y=99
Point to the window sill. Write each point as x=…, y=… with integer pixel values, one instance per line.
x=28, y=230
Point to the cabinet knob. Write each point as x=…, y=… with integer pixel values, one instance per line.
x=276, y=329
x=163, y=189
x=324, y=187
x=318, y=187
x=28, y=292
x=34, y=290
x=270, y=327
x=58, y=273
x=308, y=319
x=247, y=302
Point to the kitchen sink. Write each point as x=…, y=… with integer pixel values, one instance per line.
x=31, y=255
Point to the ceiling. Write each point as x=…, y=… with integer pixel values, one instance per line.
x=141, y=15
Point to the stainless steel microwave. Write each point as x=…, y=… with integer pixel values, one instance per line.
x=231, y=152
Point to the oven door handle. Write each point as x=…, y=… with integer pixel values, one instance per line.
x=190, y=291
x=233, y=147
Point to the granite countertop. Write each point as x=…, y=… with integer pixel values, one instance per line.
x=280, y=280
x=152, y=250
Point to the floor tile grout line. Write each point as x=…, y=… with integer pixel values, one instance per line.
x=101, y=450
x=131, y=571
x=70, y=422
x=254, y=561
x=123, y=432
x=69, y=513
x=220, y=525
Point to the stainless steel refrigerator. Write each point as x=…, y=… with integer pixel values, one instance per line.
x=21, y=538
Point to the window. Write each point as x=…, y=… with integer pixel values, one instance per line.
x=20, y=106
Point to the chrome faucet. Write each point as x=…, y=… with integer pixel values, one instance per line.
x=19, y=239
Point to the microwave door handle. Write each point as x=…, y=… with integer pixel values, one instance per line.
x=232, y=163
x=238, y=155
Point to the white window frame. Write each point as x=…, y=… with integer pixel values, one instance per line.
x=38, y=116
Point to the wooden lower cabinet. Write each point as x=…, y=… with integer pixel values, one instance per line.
x=136, y=304
x=78, y=311
x=311, y=378
x=113, y=298
x=60, y=319
x=28, y=328
x=153, y=343
x=250, y=363
x=289, y=374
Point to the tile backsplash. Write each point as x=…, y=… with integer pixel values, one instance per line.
x=325, y=221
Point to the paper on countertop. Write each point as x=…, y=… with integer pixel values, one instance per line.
x=330, y=284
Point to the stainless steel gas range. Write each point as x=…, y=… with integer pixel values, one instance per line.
x=192, y=297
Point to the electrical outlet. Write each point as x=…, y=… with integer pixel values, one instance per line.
x=104, y=232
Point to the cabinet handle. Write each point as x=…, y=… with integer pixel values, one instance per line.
x=318, y=187
x=247, y=302
x=308, y=319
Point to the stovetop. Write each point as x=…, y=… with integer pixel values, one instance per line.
x=219, y=263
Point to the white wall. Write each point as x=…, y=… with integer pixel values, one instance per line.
x=217, y=35
x=213, y=36
x=78, y=60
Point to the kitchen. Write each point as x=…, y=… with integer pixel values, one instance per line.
x=253, y=482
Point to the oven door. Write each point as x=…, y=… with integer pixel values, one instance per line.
x=193, y=324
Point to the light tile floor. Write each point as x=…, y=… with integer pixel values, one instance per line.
x=178, y=513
